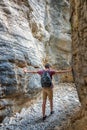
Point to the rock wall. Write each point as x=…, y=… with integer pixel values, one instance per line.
x=79, y=57
x=79, y=39
x=32, y=32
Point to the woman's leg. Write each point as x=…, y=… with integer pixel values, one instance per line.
x=44, y=102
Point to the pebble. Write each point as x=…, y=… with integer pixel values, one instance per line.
x=65, y=101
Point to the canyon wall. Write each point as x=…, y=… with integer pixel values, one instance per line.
x=79, y=62
x=32, y=32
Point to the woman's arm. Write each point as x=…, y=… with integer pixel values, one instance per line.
x=64, y=71
x=27, y=71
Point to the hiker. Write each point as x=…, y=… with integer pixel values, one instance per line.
x=47, y=88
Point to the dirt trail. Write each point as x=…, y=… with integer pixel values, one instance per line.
x=65, y=104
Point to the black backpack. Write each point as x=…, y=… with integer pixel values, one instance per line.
x=46, y=79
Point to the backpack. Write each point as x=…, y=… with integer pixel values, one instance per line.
x=46, y=79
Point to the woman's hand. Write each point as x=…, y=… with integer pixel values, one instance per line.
x=25, y=70
x=70, y=69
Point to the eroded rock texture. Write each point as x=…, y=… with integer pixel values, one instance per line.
x=32, y=32
x=79, y=48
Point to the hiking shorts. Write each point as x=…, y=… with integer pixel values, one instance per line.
x=47, y=92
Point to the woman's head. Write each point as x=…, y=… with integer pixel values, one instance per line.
x=47, y=66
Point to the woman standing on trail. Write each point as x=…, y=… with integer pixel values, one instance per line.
x=47, y=74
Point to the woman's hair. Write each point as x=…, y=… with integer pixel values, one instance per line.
x=47, y=65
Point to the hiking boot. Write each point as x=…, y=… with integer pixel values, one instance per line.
x=44, y=117
x=52, y=112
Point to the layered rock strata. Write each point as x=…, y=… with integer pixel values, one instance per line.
x=79, y=53
x=32, y=32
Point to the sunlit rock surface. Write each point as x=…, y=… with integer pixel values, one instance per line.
x=32, y=32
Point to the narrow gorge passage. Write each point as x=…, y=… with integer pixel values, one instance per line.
x=66, y=103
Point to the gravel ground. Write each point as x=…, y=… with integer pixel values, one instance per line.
x=65, y=104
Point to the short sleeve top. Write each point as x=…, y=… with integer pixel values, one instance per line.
x=51, y=72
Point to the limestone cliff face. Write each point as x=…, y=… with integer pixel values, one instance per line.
x=32, y=32
x=79, y=48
